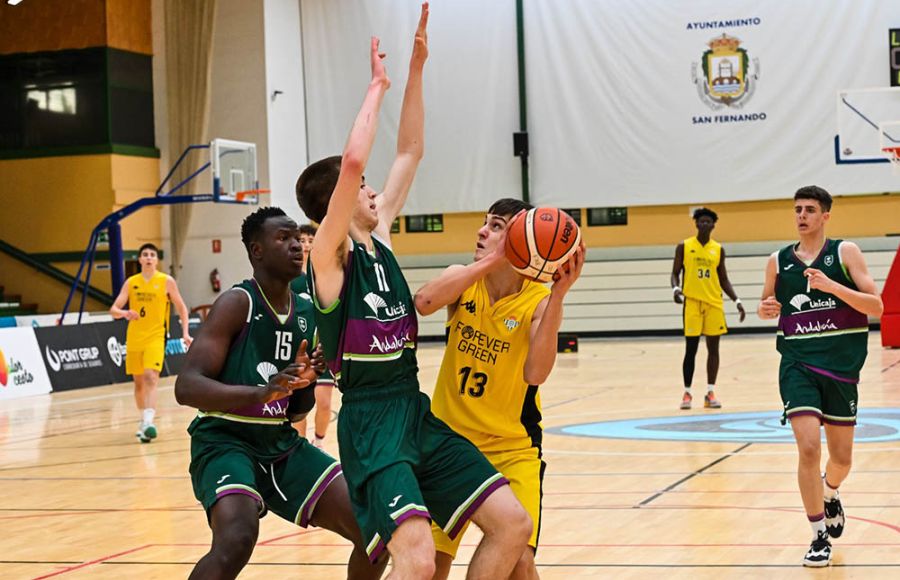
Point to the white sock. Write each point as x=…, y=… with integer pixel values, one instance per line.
x=818, y=526
x=687, y=390
x=148, y=415
x=710, y=388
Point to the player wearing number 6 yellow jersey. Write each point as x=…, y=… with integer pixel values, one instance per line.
x=702, y=260
x=148, y=295
x=502, y=336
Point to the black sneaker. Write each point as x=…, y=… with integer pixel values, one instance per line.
x=819, y=554
x=834, y=516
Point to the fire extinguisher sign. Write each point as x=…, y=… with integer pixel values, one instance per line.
x=216, y=246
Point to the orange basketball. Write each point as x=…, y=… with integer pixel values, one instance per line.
x=540, y=240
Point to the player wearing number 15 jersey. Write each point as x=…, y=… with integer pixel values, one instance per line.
x=502, y=336
x=702, y=260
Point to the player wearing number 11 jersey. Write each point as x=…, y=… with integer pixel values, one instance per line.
x=501, y=345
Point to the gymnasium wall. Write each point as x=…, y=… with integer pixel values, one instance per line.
x=258, y=96
x=852, y=217
x=53, y=197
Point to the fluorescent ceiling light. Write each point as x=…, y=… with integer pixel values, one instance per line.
x=13, y=2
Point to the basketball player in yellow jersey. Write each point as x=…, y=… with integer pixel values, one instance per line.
x=502, y=337
x=702, y=260
x=148, y=295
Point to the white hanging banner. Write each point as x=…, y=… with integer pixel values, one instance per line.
x=22, y=371
x=681, y=101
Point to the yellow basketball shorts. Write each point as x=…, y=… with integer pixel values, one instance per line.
x=525, y=471
x=145, y=355
x=703, y=318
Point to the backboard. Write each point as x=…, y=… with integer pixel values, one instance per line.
x=866, y=124
x=234, y=171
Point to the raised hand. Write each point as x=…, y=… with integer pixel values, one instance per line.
x=568, y=272
x=379, y=74
x=420, y=44
x=818, y=280
x=295, y=376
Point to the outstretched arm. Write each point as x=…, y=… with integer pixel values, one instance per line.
x=727, y=287
x=327, y=254
x=446, y=289
x=181, y=308
x=866, y=299
x=198, y=385
x=546, y=321
x=677, y=267
x=411, y=136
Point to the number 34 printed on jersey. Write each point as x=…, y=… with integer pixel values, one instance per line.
x=470, y=383
x=703, y=273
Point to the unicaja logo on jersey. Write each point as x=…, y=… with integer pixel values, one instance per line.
x=799, y=300
x=376, y=302
x=802, y=300
x=266, y=370
x=829, y=260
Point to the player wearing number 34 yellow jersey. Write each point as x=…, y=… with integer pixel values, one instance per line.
x=501, y=345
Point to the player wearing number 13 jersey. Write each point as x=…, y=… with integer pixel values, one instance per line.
x=501, y=345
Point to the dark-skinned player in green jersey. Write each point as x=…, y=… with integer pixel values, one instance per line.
x=249, y=376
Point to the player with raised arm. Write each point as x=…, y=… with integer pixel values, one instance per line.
x=249, y=375
x=822, y=294
x=403, y=465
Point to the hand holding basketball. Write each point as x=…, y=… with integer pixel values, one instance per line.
x=568, y=271
x=540, y=240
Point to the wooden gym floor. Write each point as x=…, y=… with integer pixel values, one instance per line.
x=81, y=498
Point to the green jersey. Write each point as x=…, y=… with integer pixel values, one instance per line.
x=369, y=333
x=266, y=345
x=299, y=285
x=817, y=329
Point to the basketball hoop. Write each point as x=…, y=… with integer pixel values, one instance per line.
x=252, y=195
x=893, y=155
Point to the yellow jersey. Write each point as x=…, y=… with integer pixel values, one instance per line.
x=150, y=300
x=701, y=274
x=481, y=391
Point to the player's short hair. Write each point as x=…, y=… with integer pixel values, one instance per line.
x=148, y=246
x=817, y=193
x=308, y=229
x=253, y=224
x=315, y=186
x=705, y=211
x=508, y=206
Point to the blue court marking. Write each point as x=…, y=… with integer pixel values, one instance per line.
x=872, y=426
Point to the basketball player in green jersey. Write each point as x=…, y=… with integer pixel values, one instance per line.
x=822, y=294
x=404, y=467
x=702, y=261
x=325, y=384
x=246, y=374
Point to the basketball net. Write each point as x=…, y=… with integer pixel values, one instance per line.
x=893, y=155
